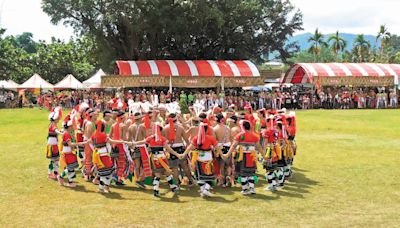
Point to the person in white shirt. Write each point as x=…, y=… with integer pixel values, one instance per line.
x=154, y=99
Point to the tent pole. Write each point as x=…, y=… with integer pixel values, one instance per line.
x=170, y=84
x=223, y=84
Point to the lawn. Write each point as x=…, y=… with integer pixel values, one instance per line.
x=346, y=173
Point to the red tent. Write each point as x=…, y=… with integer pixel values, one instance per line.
x=210, y=68
x=340, y=73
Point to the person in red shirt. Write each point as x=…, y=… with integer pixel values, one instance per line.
x=249, y=116
x=269, y=152
x=71, y=161
x=158, y=144
x=101, y=157
x=247, y=144
x=202, y=148
x=52, y=152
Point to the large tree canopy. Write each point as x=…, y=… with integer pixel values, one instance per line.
x=181, y=29
x=21, y=57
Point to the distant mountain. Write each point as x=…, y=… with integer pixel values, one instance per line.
x=302, y=40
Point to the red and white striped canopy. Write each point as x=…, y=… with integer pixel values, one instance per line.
x=305, y=72
x=210, y=68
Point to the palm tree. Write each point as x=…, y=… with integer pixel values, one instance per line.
x=361, y=46
x=338, y=45
x=317, y=41
x=384, y=35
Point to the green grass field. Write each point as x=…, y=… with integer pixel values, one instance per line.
x=346, y=173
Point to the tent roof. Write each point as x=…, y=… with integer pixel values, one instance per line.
x=69, y=82
x=95, y=79
x=12, y=84
x=301, y=73
x=210, y=68
x=4, y=84
x=36, y=82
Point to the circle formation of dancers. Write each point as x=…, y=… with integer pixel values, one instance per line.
x=208, y=148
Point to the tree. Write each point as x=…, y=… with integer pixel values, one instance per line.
x=26, y=42
x=14, y=61
x=181, y=29
x=338, y=43
x=384, y=36
x=51, y=60
x=317, y=41
x=55, y=60
x=361, y=48
x=325, y=56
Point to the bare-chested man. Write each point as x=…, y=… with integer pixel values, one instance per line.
x=118, y=153
x=224, y=138
x=137, y=132
x=176, y=136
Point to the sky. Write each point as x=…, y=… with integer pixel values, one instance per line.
x=349, y=16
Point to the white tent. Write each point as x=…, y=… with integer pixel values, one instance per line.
x=36, y=82
x=3, y=84
x=10, y=85
x=95, y=80
x=69, y=82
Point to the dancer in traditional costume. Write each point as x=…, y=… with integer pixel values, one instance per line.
x=137, y=132
x=246, y=143
x=118, y=153
x=101, y=157
x=282, y=153
x=81, y=108
x=291, y=129
x=69, y=145
x=89, y=127
x=177, y=138
x=271, y=148
x=202, y=149
x=223, y=136
x=159, y=159
x=52, y=151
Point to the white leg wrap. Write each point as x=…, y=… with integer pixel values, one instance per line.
x=156, y=184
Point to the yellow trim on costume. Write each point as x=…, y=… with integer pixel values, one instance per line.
x=278, y=150
x=195, y=156
x=96, y=159
x=208, y=168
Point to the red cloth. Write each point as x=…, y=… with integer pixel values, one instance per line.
x=171, y=133
x=106, y=160
x=247, y=137
x=121, y=164
x=263, y=123
x=99, y=138
x=88, y=159
x=66, y=137
x=269, y=135
x=251, y=119
x=209, y=142
x=70, y=158
x=151, y=140
x=52, y=128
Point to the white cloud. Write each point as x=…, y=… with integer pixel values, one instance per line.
x=349, y=16
x=18, y=16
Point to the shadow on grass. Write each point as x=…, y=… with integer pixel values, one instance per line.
x=297, y=185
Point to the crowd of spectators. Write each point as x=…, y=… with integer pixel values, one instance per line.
x=289, y=98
